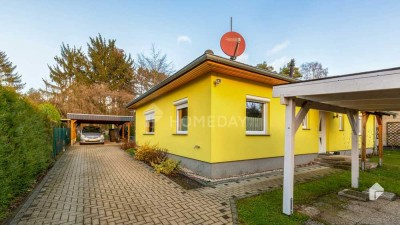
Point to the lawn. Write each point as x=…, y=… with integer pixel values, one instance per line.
x=266, y=208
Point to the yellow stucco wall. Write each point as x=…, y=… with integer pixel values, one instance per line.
x=217, y=123
x=230, y=142
x=341, y=140
x=198, y=94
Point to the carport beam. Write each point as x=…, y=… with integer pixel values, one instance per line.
x=129, y=132
x=364, y=121
x=380, y=141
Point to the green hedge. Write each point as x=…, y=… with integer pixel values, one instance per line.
x=25, y=146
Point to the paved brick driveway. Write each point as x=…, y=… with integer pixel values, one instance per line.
x=103, y=185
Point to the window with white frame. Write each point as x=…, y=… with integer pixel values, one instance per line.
x=256, y=115
x=304, y=124
x=181, y=116
x=341, y=122
x=150, y=122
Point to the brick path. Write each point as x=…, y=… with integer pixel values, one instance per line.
x=103, y=185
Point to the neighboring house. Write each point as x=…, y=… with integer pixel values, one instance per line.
x=391, y=130
x=218, y=117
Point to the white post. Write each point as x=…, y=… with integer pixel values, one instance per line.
x=355, y=163
x=288, y=167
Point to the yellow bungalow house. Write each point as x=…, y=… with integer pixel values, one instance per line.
x=218, y=117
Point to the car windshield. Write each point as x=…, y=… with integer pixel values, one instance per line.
x=91, y=130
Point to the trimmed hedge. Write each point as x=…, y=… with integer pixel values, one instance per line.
x=25, y=146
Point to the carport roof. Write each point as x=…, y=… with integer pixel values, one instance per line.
x=99, y=119
x=372, y=91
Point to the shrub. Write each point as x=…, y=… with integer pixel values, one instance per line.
x=167, y=167
x=128, y=145
x=131, y=151
x=25, y=146
x=151, y=154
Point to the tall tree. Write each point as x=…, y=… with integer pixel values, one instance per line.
x=286, y=71
x=313, y=70
x=8, y=76
x=265, y=66
x=97, y=82
x=151, y=70
x=109, y=64
x=71, y=66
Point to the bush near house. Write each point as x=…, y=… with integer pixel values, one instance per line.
x=157, y=157
x=151, y=154
x=128, y=145
x=25, y=146
x=167, y=167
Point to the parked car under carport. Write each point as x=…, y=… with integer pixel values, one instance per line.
x=91, y=135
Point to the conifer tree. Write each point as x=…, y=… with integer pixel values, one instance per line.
x=109, y=64
x=286, y=71
x=8, y=76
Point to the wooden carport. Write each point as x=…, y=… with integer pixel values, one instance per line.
x=77, y=118
x=374, y=92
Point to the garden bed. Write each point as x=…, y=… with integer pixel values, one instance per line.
x=185, y=182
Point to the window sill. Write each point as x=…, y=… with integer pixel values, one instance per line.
x=258, y=135
x=180, y=134
x=148, y=133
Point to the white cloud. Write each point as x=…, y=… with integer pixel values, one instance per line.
x=184, y=39
x=243, y=58
x=279, y=63
x=279, y=47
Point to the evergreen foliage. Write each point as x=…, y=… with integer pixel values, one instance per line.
x=8, y=76
x=266, y=67
x=286, y=71
x=25, y=146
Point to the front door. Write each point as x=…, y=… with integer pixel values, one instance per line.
x=322, y=132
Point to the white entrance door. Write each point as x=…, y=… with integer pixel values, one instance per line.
x=322, y=132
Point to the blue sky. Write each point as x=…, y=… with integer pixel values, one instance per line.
x=345, y=36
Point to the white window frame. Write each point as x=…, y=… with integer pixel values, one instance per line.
x=180, y=104
x=341, y=122
x=304, y=124
x=265, y=102
x=150, y=115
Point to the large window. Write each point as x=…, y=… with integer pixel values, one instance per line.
x=181, y=116
x=150, y=122
x=256, y=114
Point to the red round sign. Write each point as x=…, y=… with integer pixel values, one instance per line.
x=232, y=44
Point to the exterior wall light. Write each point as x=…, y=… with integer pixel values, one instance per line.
x=217, y=81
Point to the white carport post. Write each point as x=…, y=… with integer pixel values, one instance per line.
x=355, y=163
x=288, y=166
x=292, y=123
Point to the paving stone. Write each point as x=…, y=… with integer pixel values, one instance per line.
x=104, y=185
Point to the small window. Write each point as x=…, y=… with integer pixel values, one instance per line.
x=181, y=116
x=305, y=123
x=256, y=114
x=341, y=122
x=150, y=122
